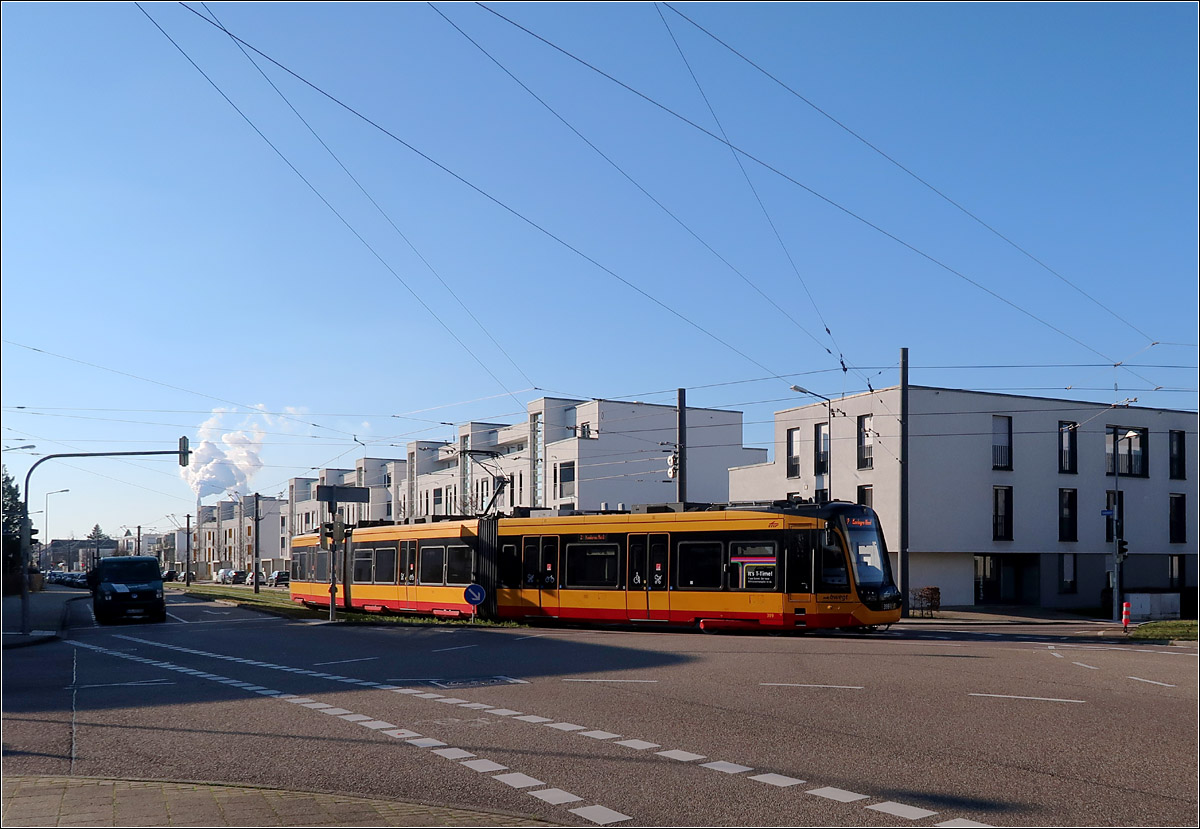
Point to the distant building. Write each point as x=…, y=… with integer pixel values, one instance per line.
x=1008, y=495
x=575, y=455
x=224, y=535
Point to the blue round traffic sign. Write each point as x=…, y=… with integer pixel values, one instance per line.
x=475, y=594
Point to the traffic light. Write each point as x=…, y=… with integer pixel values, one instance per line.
x=673, y=465
x=1122, y=549
x=326, y=534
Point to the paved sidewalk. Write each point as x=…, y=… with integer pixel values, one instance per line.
x=47, y=610
x=87, y=801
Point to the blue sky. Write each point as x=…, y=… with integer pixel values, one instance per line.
x=985, y=184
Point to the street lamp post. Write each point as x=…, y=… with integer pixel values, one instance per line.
x=828, y=435
x=1118, y=518
x=46, y=517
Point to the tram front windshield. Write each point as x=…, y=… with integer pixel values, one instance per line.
x=871, y=565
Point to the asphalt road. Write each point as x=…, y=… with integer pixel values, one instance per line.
x=922, y=726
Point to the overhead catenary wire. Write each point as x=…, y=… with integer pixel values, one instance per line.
x=909, y=172
x=354, y=231
x=789, y=178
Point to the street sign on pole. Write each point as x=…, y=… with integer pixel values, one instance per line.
x=474, y=595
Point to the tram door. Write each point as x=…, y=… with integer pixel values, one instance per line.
x=646, y=596
x=406, y=576
x=539, y=572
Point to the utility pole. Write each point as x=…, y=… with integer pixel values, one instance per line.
x=681, y=493
x=256, y=550
x=904, y=587
x=187, y=578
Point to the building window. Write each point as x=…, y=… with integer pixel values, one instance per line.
x=1068, y=515
x=1175, y=572
x=865, y=496
x=821, y=449
x=1068, y=451
x=1178, y=453
x=866, y=442
x=822, y=496
x=1178, y=518
x=1001, y=442
x=1002, y=507
x=566, y=479
x=1066, y=573
x=793, y=453
x=1131, y=458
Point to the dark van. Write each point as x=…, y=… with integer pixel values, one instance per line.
x=127, y=587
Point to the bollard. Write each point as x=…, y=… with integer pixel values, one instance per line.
x=1125, y=617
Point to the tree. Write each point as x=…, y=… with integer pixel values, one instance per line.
x=98, y=534
x=14, y=509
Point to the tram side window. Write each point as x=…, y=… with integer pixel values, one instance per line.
x=321, y=571
x=385, y=565
x=509, y=567
x=432, y=567
x=591, y=565
x=752, y=565
x=458, y=564
x=699, y=565
x=833, y=577
x=363, y=565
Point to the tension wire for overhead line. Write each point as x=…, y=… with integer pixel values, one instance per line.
x=632, y=180
x=248, y=408
x=314, y=190
x=928, y=257
x=627, y=283
x=387, y=217
x=753, y=190
x=916, y=177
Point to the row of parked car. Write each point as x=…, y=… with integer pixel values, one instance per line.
x=69, y=579
x=278, y=578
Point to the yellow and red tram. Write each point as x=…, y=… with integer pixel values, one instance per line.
x=772, y=568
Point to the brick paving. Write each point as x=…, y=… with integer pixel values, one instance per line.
x=86, y=801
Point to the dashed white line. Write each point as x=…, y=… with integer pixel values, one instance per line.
x=901, y=810
x=798, y=685
x=1089, y=667
x=1035, y=699
x=840, y=795
x=1152, y=682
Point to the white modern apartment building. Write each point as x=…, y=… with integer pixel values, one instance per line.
x=224, y=535
x=576, y=455
x=1011, y=499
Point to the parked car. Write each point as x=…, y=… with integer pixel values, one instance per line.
x=251, y=578
x=237, y=577
x=222, y=576
x=170, y=575
x=279, y=578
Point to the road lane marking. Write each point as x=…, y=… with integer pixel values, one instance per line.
x=556, y=797
x=728, y=768
x=1089, y=667
x=901, y=810
x=776, y=780
x=457, y=648
x=798, y=685
x=611, y=680
x=600, y=815
x=518, y=780
x=963, y=823
x=344, y=661
x=1152, y=682
x=1057, y=655
x=681, y=756
x=840, y=795
x=639, y=745
x=1035, y=699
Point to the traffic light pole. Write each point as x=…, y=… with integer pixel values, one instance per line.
x=183, y=452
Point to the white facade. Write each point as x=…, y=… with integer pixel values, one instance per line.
x=224, y=535
x=576, y=454
x=1005, y=492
